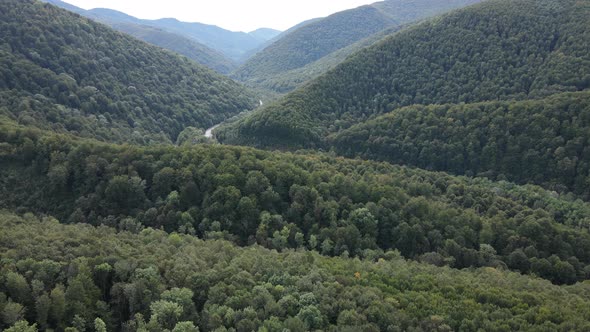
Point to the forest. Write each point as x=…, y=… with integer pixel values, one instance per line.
x=64, y=73
x=273, y=67
x=313, y=201
x=87, y=278
x=434, y=181
x=543, y=141
x=495, y=50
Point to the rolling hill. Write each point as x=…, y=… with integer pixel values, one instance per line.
x=318, y=39
x=61, y=72
x=497, y=50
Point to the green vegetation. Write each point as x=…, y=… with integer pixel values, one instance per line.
x=97, y=279
x=276, y=67
x=233, y=45
x=333, y=205
x=545, y=141
x=179, y=44
x=67, y=74
x=191, y=236
x=141, y=30
x=500, y=49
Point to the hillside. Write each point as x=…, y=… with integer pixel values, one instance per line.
x=544, y=141
x=318, y=39
x=206, y=43
x=278, y=200
x=179, y=44
x=61, y=72
x=287, y=81
x=85, y=277
x=497, y=50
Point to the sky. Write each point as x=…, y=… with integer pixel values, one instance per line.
x=235, y=15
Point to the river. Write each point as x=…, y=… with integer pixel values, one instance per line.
x=209, y=132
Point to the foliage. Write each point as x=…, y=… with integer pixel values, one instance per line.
x=61, y=72
x=543, y=141
x=139, y=29
x=255, y=289
x=280, y=200
x=276, y=67
x=496, y=50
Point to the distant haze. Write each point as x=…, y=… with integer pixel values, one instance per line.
x=235, y=15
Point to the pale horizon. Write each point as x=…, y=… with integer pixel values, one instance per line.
x=231, y=15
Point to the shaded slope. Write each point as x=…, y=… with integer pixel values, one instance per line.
x=543, y=141
x=315, y=40
x=495, y=50
x=62, y=72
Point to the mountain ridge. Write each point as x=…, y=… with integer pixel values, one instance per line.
x=465, y=56
x=318, y=39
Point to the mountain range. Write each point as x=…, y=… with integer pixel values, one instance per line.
x=306, y=45
x=430, y=175
x=209, y=45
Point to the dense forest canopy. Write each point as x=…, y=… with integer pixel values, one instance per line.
x=146, y=280
x=543, y=141
x=316, y=201
x=62, y=72
x=496, y=50
x=141, y=30
x=489, y=102
x=276, y=66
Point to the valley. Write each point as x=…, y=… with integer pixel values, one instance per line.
x=398, y=166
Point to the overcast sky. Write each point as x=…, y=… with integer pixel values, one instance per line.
x=235, y=15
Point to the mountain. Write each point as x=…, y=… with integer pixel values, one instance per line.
x=264, y=45
x=265, y=34
x=337, y=206
x=208, y=40
x=233, y=44
x=287, y=81
x=70, y=74
x=171, y=41
x=544, y=141
x=497, y=50
x=179, y=44
x=316, y=40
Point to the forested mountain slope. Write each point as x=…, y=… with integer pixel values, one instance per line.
x=499, y=49
x=543, y=141
x=191, y=49
x=280, y=200
x=315, y=40
x=146, y=280
x=61, y=72
x=233, y=45
x=288, y=81
x=171, y=41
